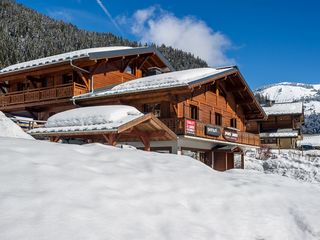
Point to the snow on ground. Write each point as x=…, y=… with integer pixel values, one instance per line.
x=56, y=191
x=9, y=129
x=303, y=166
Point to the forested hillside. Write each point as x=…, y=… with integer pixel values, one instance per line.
x=26, y=35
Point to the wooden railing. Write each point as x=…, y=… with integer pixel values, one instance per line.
x=42, y=94
x=178, y=125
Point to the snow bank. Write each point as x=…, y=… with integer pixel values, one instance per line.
x=9, y=129
x=288, y=163
x=55, y=191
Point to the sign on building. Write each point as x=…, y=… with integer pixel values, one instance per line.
x=190, y=126
x=230, y=135
x=214, y=131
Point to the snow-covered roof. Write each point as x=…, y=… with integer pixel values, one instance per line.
x=281, y=133
x=91, y=53
x=310, y=139
x=161, y=81
x=107, y=118
x=284, y=108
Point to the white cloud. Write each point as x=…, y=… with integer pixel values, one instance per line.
x=155, y=25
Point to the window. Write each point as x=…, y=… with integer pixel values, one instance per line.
x=233, y=122
x=20, y=86
x=152, y=108
x=66, y=78
x=194, y=112
x=218, y=119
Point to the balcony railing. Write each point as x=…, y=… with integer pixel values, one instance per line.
x=42, y=94
x=184, y=126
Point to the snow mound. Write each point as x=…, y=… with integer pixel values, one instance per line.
x=289, y=163
x=113, y=114
x=55, y=191
x=9, y=129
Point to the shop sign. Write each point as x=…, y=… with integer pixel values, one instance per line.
x=230, y=135
x=190, y=126
x=214, y=131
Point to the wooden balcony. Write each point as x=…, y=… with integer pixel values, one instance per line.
x=180, y=127
x=40, y=96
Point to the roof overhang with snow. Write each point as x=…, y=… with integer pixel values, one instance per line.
x=291, y=108
x=281, y=133
x=92, y=54
x=130, y=128
x=188, y=80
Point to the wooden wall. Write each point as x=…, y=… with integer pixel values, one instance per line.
x=209, y=103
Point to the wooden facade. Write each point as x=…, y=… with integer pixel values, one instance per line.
x=208, y=115
x=222, y=104
x=45, y=89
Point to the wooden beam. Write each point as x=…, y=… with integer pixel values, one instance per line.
x=111, y=139
x=143, y=62
x=54, y=139
x=84, y=79
x=146, y=142
x=236, y=89
x=99, y=64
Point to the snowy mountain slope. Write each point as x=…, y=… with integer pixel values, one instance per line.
x=290, y=92
x=101, y=192
x=293, y=92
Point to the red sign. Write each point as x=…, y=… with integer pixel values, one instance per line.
x=230, y=135
x=190, y=126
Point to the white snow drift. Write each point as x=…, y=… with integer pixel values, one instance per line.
x=9, y=129
x=55, y=191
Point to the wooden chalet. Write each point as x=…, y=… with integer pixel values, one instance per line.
x=207, y=108
x=282, y=128
x=43, y=87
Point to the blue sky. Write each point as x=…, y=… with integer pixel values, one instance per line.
x=270, y=40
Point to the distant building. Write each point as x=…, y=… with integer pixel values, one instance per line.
x=282, y=128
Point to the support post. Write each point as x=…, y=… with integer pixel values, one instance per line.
x=146, y=142
x=226, y=160
x=242, y=160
